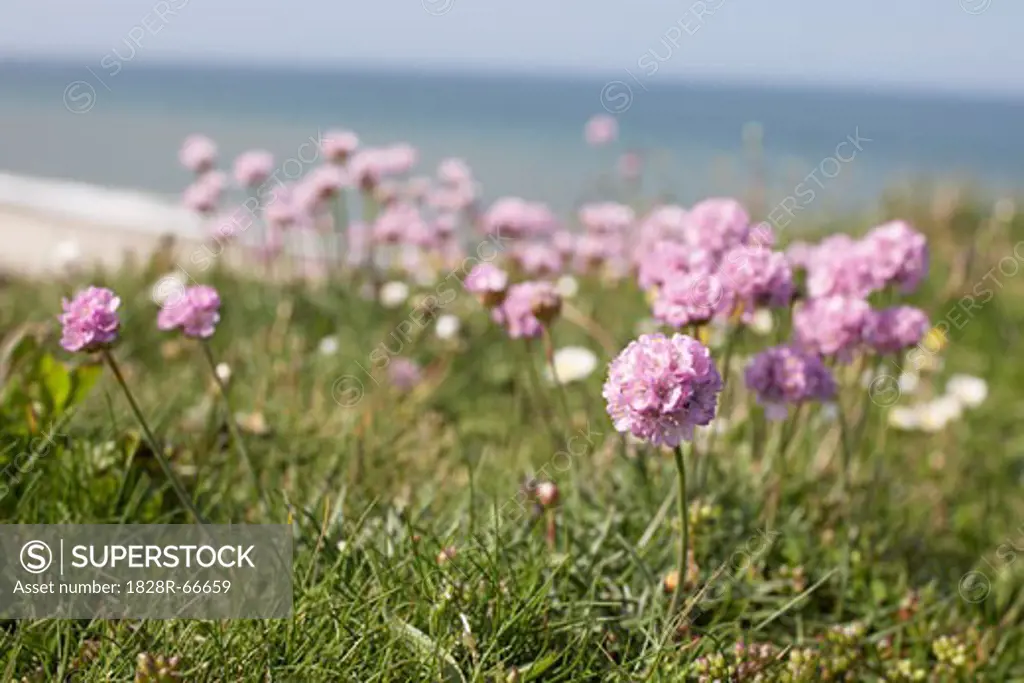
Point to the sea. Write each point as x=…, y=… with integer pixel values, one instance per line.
x=522, y=134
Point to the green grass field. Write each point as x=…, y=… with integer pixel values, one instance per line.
x=420, y=556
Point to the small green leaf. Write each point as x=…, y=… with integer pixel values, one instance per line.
x=57, y=381
x=83, y=379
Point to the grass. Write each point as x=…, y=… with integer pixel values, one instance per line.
x=418, y=555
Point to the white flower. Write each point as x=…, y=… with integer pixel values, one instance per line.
x=224, y=372
x=572, y=364
x=393, y=294
x=66, y=254
x=328, y=346
x=908, y=382
x=567, y=287
x=934, y=415
x=762, y=323
x=447, y=327
x=970, y=391
x=904, y=417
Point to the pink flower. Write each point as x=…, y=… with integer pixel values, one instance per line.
x=198, y=153
x=716, y=224
x=786, y=375
x=201, y=197
x=488, y=282
x=757, y=277
x=523, y=303
x=600, y=130
x=253, y=168
x=537, y=258
x=404, y=374
x=454, y=172
x=659, y=388
x=831, y=326
x=892, y=330
x=898, y=255
x=339, y=145
x=517, y=218
x=799, y=255
x=195, y=312
x=320, y=186
x=401, y=223
x=840, y=266
x=90, y=320
x=666, y=260
x=607, y=217
x=691, y=299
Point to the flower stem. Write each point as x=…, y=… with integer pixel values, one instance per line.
x=684, y=521
x=236, y=434
x=154, y=444
x=549, y=356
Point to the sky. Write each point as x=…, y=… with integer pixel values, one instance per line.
x=948, y=45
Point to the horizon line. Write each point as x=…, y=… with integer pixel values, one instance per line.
x=778, y=83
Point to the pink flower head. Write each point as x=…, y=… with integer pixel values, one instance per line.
x=404, y=374
x=659, y=388
x=537, y=258
x=600, y=130
x=319, y=187
x=891, y=330
x=253, y=168
x=488, y=282
x=666, y=260
x=716, y=224
x=367, y=167
x=518, y=313
x=840, y=266
x=90, y=320
x=593, y=251
x=399, y=159
x=757, y=277
x=607, y=217
x=831, y=326
x=195, y=312
x=564, y=243
x=401, y=223
x=517, y=218
x=692, y=299
x=898, y=255
x=785, y=375
x=280, y=210
x=799, y=255
x=198, y=153
x=339, y=145
x=201, y=196
x=454, y=172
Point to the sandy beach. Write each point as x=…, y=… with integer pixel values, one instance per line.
x=51, y=225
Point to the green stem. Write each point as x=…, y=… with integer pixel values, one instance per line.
x=684, y=521
x=549, y=354
x=236, y=434
x=154, y=444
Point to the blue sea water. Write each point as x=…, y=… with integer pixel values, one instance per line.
x=522, y=135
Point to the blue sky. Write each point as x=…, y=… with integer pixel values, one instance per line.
x=960, y=45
